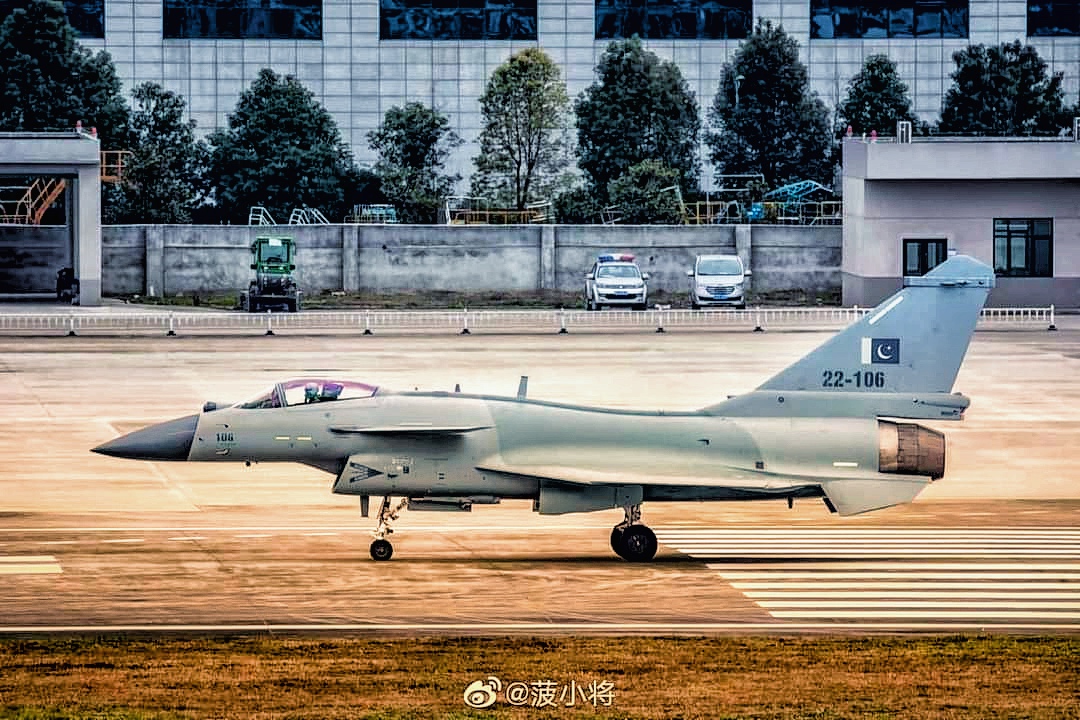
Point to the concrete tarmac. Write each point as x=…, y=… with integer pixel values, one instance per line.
x=91, y=541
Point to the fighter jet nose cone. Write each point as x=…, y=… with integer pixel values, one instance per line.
x=165, y=441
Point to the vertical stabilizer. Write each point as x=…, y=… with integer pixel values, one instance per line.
x=912, y=342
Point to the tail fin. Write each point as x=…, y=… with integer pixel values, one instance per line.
x=912, y=342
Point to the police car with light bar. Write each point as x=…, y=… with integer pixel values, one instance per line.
x=616, y=281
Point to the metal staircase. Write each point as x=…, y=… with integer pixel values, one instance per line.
x=27, y=205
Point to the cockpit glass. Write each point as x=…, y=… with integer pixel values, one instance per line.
x=268, y=399
x=305, y=391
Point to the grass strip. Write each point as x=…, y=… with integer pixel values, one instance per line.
x=831, y=678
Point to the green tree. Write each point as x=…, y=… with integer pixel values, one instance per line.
x=876, y=99
x=640, y=108
x=1002, y=90
x=163, y=178
x=413, y=145
x=648, y=193
x=48, y=81
x=281, y=150
x=577, y=206
x=765, y=119
x=523, y=143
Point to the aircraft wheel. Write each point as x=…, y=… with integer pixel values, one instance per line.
x=618, y=542
x=639, y=543
x=381, y=550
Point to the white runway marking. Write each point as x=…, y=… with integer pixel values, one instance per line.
x=29, y=565
x=821, y=574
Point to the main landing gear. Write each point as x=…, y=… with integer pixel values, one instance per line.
x=631, y=540
x=381, y=549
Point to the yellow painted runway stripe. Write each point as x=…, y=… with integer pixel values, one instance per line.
x=27, y=559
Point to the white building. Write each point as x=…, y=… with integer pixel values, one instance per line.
x=361, y=57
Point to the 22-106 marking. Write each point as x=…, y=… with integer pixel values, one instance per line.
x=869, y=379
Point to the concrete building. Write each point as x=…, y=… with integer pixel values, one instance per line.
x=30, y=255
x=361, y=57
x=1013, y=203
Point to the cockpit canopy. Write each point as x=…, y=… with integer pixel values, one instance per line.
x=304, y=391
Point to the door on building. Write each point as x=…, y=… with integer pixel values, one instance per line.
x=922, y=255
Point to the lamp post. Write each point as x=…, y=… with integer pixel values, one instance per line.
x=738, y=79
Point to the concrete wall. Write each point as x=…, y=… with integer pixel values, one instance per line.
x=789, y=258
x=31, y=255
x=174, y=259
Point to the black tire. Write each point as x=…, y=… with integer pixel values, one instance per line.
x=590, y=306
x=639, y=543
x=617, y=543
x=740, y=306
x=641, y=306
x=381, y=550
x=291, y=305
x=694, y=305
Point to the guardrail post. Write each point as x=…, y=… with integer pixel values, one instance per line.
x=562, y=322
x=269, y=321
x=367, y=323
x=172, y=329
x=1052, y=327
x=660, y=318
x=759, y=321
x=465, y=322
x=71, y=325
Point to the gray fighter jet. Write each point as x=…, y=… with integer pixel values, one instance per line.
x=833, y=426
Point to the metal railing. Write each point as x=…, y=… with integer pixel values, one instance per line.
x=367, y=322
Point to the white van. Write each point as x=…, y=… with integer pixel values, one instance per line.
x=717, y=280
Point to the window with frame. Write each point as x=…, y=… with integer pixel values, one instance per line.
x=921, y=256
x=674, y=19
x=86, y=16
x=1053, y=18
x=457, y=19
x=864, y=19
x=1024, y=247
x=242, y=19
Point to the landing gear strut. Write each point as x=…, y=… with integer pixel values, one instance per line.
x=631, y=540
x=381, y=549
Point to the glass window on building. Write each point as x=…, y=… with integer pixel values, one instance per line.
x=674, y=20
x=1053, y=18
x=866, y=19
x=922, y=256
x=86, y=16
x=457, y=19
x=243, y=19
x=1024, y=247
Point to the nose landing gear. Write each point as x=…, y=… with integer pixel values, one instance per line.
x=631, y=540
x=381, y=549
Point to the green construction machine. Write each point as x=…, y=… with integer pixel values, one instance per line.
x=273, y=259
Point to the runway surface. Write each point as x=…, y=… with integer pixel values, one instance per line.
x=89, y=543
